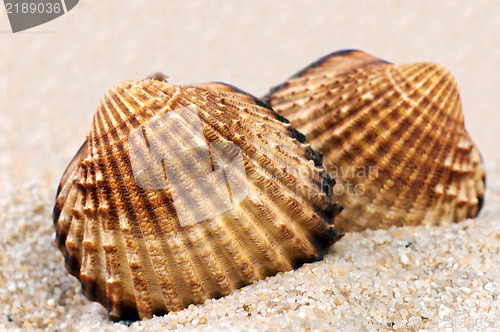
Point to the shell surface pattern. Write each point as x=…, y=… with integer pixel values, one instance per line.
x=184, y=193
x=392, y=136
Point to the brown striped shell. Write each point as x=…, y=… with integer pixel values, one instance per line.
x=392, y=136
x=184, y=193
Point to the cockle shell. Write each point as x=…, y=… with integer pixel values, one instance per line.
x=184, y=193
x=392, y=136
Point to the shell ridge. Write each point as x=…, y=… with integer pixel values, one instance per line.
x=102, y=125
x=191, y=274
x=152, y=218
x=127, y=239
x=398, y=172
x=364, y=59
x=348, y=135
x=248, y=149
x=224, y=137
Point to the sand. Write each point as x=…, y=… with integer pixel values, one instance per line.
x=398, y=279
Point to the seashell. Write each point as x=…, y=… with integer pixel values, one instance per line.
x=392, y=136
x=185, y=193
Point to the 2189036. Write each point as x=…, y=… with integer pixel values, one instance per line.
x=33, y=8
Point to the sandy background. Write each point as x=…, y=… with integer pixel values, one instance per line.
x=52, y=76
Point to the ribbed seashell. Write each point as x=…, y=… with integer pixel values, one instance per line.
x=392, y=136
x=184, y=193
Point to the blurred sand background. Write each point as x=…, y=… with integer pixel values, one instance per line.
x=52, y=77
